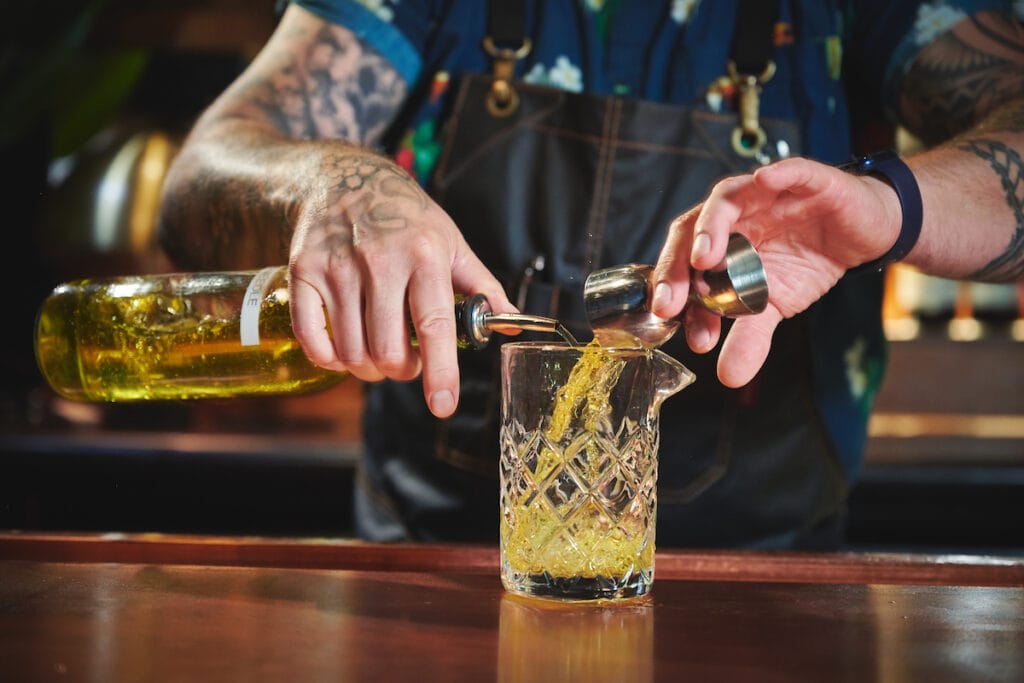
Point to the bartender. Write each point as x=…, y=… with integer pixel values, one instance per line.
x=396, y=154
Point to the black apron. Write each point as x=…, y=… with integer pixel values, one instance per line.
x=586, y=181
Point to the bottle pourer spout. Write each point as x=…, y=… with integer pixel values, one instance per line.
x=476, y=322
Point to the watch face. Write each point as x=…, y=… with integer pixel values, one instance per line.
x=877, y=161
x=889, y=166
x=869, y=162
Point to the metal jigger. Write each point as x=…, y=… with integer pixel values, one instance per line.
x=616, y=298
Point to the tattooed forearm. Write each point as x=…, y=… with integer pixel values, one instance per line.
x=962, y=76
x=249, y=207
x=278, y=151
x=226, y=222
x=1007, y=164
x=329, y=86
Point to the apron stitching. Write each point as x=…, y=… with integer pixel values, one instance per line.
x=613, y=153
x=657, y=148
x=602, y=189
x=712, y=146
x=632, y=145
x=451, y=127
x=599, y=179
x=443, y=175
x=662, y=148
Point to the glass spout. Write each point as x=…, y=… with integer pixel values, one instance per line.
x=670, y=377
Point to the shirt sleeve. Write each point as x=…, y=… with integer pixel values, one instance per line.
x=397, y=29
x=885, y=37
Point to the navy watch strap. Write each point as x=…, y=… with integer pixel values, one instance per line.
x=888, y=165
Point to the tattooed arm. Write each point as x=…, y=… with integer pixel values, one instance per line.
x=811, y=222
x=967, y=88
x=280, y=170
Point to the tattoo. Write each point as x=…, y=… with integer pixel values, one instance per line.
x=962, y=76
x=1008, y=165
x=232, y=226
x=381, y=188
x=330, y=86
x=312, y=81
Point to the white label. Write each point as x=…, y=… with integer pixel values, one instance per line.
x=249, y=322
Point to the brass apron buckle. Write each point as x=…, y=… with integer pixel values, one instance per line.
x=749, y=137
x=502, y=99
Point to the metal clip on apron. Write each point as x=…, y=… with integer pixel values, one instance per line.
x=506, y=43
x=750, y=68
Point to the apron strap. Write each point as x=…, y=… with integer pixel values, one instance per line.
x=754, y=35
x=506, y=23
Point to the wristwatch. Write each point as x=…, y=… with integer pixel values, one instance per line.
x=889, y=166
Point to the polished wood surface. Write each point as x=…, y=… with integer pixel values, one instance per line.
x=155, y=608
x=778, y=567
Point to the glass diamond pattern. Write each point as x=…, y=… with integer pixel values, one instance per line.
x=528, y=449
x=563, y=493
x=589, y=456
x=615, y=493
x=637, y=444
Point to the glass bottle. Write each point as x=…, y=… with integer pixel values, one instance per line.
x=185, y=336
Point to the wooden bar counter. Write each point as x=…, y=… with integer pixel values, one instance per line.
x=161, y=608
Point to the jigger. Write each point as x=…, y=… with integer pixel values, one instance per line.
x=616, y=298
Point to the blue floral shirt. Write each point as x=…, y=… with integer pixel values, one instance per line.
x=839, y=65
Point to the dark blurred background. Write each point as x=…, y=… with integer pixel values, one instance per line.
x=96, y=95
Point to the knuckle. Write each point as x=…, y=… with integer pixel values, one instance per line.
x=423, y=247
x=353, y=359
x=435, y=323
x=377, y=261
x=391, y=360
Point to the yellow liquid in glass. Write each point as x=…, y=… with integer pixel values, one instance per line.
x=597, y=546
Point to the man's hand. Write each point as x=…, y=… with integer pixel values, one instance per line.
x=808, y=221
x=374, y=252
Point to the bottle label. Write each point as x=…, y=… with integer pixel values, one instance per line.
x=249, y=322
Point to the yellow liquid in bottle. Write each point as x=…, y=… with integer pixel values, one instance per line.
x=598, y=548
x=170, y=337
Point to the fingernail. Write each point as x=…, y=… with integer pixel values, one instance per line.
x=701, y=246
x=700, y=338
x=442, y=403
x=662, y=296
